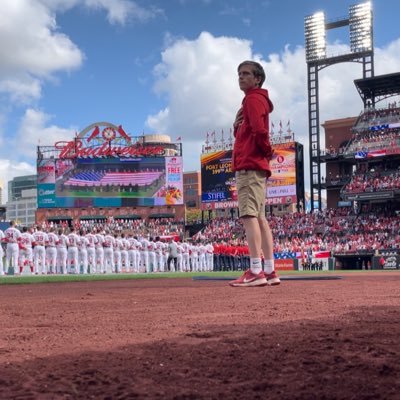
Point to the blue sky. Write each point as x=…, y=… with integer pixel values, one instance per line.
x=165, y=66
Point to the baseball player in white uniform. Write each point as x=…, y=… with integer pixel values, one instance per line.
x=2, y=237
x=151, y=247
x=159, y=255
x=109, y=243
x=179, y=257
x=82, y=252
x=39, y=251
x=202, y=257
x=12, y=236
x=51, y=251
x=124, y=253
x=91, y=252
x=72, y=255
x=26, y=252
x=185, y=257
x=100, y=252
x=210, y=256
x=117, y=253
x=62, y=253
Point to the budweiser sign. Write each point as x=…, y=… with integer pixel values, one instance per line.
x=77, y=149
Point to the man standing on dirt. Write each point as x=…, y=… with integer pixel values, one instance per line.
x=252, y=153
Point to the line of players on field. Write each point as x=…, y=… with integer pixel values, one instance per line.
x=59, y=251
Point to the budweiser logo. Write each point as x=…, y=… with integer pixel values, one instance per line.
x=77, y=149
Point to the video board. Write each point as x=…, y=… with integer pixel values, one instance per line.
x=218, y=179
x=110, y=182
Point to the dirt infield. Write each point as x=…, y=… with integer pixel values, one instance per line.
x=184, y=339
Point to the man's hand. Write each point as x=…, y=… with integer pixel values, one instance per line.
x=238, y=119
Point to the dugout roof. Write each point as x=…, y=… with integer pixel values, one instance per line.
x=379, y=87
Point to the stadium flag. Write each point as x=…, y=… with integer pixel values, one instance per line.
x=360, y=154
x=376, y=153
x=179, y=138
x=322, y=254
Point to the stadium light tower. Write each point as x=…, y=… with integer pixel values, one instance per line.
x=359, y=22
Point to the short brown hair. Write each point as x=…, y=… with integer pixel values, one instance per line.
x=258, y=70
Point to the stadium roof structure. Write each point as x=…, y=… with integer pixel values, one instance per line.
x=379, y=87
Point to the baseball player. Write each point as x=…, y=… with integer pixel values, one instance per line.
x=185, y=257
x=109, y=243
x=82, y=252
x=62, y=253
x=210, y=256
x=145, y=255
x=202, y=257
x=39, y=251
x=12, y=236
x=152, y=255
x=26, y=253
x=51, y=251
x=72, y=254
x=159, y=255
x=91, y=252
x=2, y=237
x=117, y=253
x=124, y=253
x=100, y=252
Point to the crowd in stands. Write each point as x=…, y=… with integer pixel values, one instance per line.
x=374, y=140
x=375, y=129
x=373, y=181
x=333, y=230
x=374, y=117
x=297, y=235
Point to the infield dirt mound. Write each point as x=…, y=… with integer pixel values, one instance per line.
x=178, y=339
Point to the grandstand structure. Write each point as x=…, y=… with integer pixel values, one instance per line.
x=362, y=154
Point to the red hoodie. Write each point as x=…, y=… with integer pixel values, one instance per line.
x=252, y=149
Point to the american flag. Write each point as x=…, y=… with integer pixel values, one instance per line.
x=115, y=179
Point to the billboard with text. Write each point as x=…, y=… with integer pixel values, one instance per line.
x=218, y=179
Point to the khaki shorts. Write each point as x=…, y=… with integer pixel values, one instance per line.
x=250, y=187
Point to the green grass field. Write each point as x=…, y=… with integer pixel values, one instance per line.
x=32, y=279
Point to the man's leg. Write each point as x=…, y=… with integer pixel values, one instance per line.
x=253, y=236
x=267, y=245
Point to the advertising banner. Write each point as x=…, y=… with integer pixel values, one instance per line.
x=46, y=171
x=284, y=265
x=218, y=179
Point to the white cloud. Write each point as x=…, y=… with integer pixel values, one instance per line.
x=199, y=82
x=118, y=11
x=35, y=130
x=31, y=49
x=10, y=170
